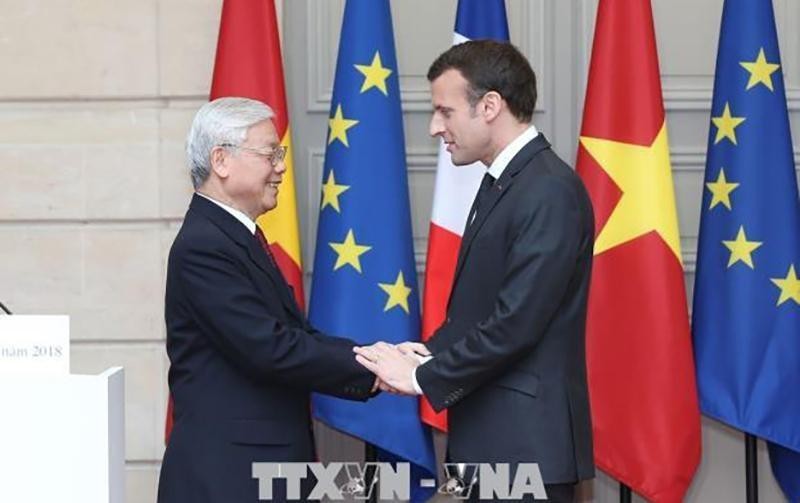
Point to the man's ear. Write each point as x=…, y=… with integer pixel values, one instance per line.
x=493, y=104
x=218, y=159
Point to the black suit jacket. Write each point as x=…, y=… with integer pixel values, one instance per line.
x=243, y=361
x=509, y=361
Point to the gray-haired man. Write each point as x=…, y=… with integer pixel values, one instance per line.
x=243, y=357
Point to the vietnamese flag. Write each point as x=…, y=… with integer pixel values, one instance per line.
x=639, y=356
x=249, y=65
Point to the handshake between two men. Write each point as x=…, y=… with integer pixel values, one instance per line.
x=394, y=365
x=514, y=339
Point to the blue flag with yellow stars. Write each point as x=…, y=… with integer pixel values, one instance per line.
x=746, y=316
x=365, y=280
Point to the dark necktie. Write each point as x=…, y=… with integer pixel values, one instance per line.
x=262, y=240
x=288, y=290
x=486, y=185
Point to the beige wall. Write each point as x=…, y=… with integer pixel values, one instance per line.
x=96, y=97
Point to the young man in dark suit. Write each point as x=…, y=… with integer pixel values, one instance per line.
x=509, y=361
x=243, y=357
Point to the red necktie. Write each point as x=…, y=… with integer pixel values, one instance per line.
x=262, y=240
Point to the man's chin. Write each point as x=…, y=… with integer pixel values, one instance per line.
x=460, y=159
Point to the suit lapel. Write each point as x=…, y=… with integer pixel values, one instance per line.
x=492, y=198
x=499, y=189
x=259, y=257
x=240, y=235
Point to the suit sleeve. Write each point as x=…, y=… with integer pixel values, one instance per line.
x=445, y=336
x=237, y=319
x=538, y=268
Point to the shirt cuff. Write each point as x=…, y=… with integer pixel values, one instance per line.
x=422, y=360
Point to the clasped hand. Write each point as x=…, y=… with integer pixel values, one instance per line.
x=393, y=365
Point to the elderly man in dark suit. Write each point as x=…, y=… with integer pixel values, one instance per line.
x=243, y=358
x=509, y=361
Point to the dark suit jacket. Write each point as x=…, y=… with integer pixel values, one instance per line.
x=243, y=362
x=509, y=360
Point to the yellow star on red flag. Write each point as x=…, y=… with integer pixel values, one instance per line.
x=643, y=174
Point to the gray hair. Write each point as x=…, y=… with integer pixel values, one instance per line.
x=218, y=122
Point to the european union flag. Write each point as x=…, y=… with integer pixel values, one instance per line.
x=365, y=280
x=746, y=318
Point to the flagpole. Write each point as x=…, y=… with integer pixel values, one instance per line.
x=751, y=467
x=624, y=493
x=370, y=456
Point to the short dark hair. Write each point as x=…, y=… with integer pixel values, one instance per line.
x=488, y=65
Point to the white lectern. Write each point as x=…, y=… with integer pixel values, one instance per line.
x=62, y=436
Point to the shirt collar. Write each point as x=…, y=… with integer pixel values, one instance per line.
x=512, y=149
x=238, y=215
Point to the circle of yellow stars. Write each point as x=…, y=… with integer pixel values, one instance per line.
x=741, y=248
x=349, y=250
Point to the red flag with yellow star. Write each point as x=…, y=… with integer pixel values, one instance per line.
x=249, y=65
x=641, y=373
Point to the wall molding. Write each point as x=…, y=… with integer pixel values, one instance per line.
x=416, y=98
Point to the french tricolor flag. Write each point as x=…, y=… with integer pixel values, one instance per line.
x=454, y=192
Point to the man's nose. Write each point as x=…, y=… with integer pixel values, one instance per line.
x=435, y=128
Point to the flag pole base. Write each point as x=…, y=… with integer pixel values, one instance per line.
x=751, y=467
x=624, y=493
x=371, y=456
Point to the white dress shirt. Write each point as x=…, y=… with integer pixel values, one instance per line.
x=238, y=215
x=500, y=162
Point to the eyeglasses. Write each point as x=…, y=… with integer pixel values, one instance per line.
x=274, y=156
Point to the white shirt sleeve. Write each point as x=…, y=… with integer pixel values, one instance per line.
x=422, y=360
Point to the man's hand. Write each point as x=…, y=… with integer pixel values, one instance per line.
x=413, y=348
x=376, y=385
x=392, y=367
